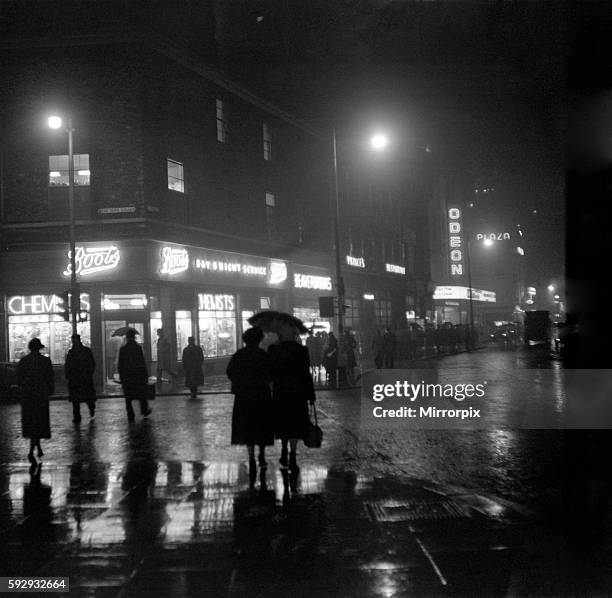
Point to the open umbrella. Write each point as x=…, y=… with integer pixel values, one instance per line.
x=269, y=321
x=122, y=331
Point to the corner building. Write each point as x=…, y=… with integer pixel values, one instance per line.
x=197, y=202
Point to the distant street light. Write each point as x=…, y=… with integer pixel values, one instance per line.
x=551, y=287
x=488, y=242
x=379, y=142
x=55, y=122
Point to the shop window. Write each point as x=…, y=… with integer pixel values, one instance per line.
x=217, y=324
x=58, y=171
x=265, y=303
x=37, y=316
x=155, y=324
x=184, y=330
x=245, y=320
x=382, y=312
x=267, y=142
x=221, y=121
x=176, y=181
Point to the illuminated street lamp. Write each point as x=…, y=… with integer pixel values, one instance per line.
x=378, y=142
x=56, y=122
x=486, y=243
x=551, y=287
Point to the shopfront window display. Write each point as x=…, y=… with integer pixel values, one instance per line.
x=217, y=324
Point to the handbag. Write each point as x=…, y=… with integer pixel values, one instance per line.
x=150, y=392
x=314, y=435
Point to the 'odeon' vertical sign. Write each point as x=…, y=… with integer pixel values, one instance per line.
x=455, y=241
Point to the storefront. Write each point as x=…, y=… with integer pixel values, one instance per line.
x=452, y=304
x=187, y=291
x=308, y=284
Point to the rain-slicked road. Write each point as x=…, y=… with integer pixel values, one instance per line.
x=163, y=507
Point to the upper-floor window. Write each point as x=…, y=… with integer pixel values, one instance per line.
x=221, y=121
x=270, y=200
x=267, y=141
x=176, y=180
x=58, y=170
x=271, y=214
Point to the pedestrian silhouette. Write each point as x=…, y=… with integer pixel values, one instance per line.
x=79, y=368
x=134, y=375
x=193, y=358
x=293, y=390
x=250, y=372
x=35, y=377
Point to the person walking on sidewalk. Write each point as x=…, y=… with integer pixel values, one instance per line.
x=330, y=360
x=293, y=390
x=79, y=369
x=250, y=372
x=35, y=377
x=389, y=342
x=377, y=349
x=164, y=357
x=134, y=375
x=193, y=359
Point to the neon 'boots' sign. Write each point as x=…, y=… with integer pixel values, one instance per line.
x=90, y=260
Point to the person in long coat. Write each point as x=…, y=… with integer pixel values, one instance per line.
x=79, y=369
x=330, y=359
x=293, y=390
x=193, y=358
x=35, y=377
x=250, y=372
x=134, y=375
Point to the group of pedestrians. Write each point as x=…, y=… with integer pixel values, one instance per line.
x=272, y=389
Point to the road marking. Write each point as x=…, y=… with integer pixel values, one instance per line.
x=429, y=557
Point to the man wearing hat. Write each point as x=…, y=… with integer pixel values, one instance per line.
x=79, y=368
x=133, y=374
x=35, y=376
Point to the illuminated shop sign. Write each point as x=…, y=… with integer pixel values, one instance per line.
x=455, y=241
x=454, y=292
x=531, y=290
x=395, y=269
x=27, y=305
x=368, y=297
x=90, y=260
x=173, y=260
x=278, y=272
x=357, y=262
x=493, y=236
x=210, y=302
x=308, y=281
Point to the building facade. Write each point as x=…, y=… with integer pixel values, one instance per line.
x=197, y=204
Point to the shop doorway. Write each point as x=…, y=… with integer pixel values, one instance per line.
x=114, y=337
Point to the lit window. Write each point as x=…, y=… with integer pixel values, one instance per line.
x=221, y=122
x=267, y=141
x=270, y=200
x=58, y=170
x=176, y=180
x=270, y=214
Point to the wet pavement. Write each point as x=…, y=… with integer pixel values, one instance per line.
x=163, y=507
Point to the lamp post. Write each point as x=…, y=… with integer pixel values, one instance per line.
x=55, y=122
x=378, y=142
x=486, y=243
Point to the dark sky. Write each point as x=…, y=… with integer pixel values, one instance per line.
x=483, y=82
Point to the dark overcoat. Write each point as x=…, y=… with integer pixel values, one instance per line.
x=293, y=389
x=35, y=376
x=79, y=369
x=193, y=358
x=133, y=371
x=250, y=372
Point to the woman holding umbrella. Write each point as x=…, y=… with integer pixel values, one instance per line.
x=293, y=386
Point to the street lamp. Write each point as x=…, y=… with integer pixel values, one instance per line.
x=378, y=142
x=55, y=122
x=486, y=243
x=551, y=287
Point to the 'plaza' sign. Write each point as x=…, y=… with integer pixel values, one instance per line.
x=493, y=236
x=455, y=241
x=90, y=260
